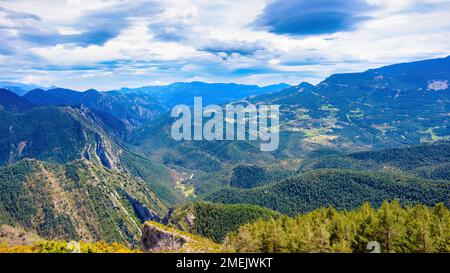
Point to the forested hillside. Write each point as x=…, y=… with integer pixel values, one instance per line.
x=130, y=109
x=43, y=133
x=61, y=135
x=215, y=221
x=80, y=200
x=65, y=177
x=13, y=103
x=342, y=189
x=411, y=229
x=417, y=229
x=429, y=160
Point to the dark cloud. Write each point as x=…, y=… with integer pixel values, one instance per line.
x=313, y=17
x=52, y=38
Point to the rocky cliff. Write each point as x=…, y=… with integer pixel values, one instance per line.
x=159, y=238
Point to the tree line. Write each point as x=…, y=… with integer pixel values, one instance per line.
x=411, y=229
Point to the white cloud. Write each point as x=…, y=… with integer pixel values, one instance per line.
x=215, y=41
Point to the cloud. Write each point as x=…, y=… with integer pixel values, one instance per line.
x=109, y=44
x=15, y=15
x=228, y=48
x=168, y=32
x=304, y=17
x=92, y=28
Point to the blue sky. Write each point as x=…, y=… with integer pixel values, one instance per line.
x=108, y=44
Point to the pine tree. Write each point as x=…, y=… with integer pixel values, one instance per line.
x=388, y=227
x=417, y=235
x=340, y=235
x=367, y=223
x=321, y=239
x=273, y=239
x=440, y=228
x=397, y=229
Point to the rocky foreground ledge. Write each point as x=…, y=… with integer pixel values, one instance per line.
x=160, y=238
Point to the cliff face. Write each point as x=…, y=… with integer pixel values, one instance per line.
x=106, y=154
x=156, y=239
x=159, y=238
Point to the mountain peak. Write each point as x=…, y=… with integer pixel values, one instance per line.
x=415, y=75
x=11, y=102
x=305, y=85
x=37, y=90
x=18, y=88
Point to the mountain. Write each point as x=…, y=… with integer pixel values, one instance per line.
x=134, y=107
x=212, y=93
x=431, y=75
x=62, y=135
x=18, y=88
x=403, y=104
x=208, y=164
x=96, y=165
x=341, y=189
x=48, y=133
x=80, y=200
x=66, y=177
x=413, y=175
x=11, y=102
x=53, y=97
x=130, y=109
x=376, y=109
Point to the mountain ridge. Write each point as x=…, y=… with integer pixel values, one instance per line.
x=11, y=102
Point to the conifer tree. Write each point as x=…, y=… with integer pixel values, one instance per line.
x=366, y=228
x=440, y=228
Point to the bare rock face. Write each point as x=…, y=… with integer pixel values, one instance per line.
x=189, y=220
x=106, y=153
x=157, y=239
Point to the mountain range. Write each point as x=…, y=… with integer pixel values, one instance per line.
x=211, y=93
x=379, y=108
x=96, y=165
x=17, y=87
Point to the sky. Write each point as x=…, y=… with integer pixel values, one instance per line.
x=109, y=44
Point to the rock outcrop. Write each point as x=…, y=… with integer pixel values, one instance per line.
x=156, y=238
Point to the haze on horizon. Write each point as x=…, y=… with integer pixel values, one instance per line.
x=108, y=44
